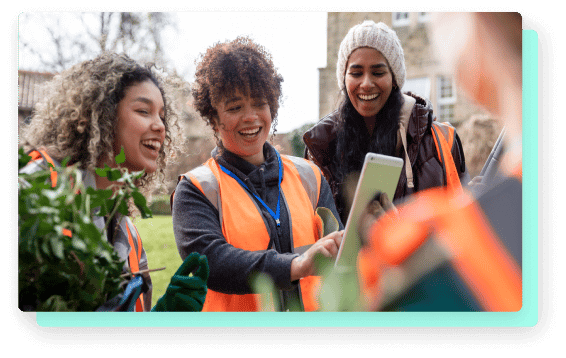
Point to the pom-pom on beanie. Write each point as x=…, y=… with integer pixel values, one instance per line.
x=378, y=36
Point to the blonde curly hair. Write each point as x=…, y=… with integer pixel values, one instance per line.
x=77, y=117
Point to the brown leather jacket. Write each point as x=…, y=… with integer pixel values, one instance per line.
x=320, y=143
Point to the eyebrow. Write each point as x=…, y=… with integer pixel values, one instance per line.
x=143, y=99
x=379, y=65
x=233, y=99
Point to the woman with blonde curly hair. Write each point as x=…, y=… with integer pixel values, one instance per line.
x=78, y=117
x=92, y=111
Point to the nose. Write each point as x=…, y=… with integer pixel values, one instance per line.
x=366, y=82
x=157, y=125
x=250, y=114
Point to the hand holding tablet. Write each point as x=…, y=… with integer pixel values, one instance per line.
x=380, y=173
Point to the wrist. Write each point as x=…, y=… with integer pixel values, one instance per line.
x=298, y=268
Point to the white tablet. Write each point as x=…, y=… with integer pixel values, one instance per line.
x=380, y=173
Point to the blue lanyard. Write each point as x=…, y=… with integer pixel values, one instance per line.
x=278, y=212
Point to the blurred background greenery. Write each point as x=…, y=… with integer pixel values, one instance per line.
x=159, y=243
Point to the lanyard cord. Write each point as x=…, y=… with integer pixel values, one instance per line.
x=276, y=214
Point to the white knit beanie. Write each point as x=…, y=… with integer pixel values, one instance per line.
x=378, y=36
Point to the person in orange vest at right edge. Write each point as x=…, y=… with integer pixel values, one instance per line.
x=458, y=250
x=89, y=113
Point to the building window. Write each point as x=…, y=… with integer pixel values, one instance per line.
x=400, y=19
x=446, y=113
x=446, y=98
x=424, y=16
x=420, y=86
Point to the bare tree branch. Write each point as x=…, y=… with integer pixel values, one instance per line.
x=138, y=34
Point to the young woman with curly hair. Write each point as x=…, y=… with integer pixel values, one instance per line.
x=250, y=210
x=90, y=112
x=375, y=116
x=78, y=117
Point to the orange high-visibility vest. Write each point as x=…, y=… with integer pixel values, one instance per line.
x=134, y=256
x=443, y=135
x=243, y=226
x=455, y=224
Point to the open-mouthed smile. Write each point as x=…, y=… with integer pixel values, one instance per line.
x=151, y=144
x=368, y=97
x=250, y=132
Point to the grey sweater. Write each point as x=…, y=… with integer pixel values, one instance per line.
x=198, y=229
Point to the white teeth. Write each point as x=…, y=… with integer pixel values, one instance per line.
x=154, y=144
x=368, y=97
x=250, y=131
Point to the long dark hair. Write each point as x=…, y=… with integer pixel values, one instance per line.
x=353, y=141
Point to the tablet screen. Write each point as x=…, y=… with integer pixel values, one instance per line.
x=379, y=173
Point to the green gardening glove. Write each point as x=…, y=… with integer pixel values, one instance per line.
x=186, y=292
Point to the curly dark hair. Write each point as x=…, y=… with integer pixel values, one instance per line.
x=77, y=117
x=238, y=65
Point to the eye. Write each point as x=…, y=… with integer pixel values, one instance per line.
x=233, y=108
x=355, y=74
x=142, y=111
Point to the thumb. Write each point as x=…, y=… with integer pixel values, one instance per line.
x=203, y=269
x=190, y=263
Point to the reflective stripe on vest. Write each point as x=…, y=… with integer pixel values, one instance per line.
x=41, y=154
x=476, y=253
x=134, y=256
x=443, y=135
x=300, y=187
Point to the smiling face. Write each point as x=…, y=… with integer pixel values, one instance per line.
x=140, y=129
x=243, y=124
x=368, y=80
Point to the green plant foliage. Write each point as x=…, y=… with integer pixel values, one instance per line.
x=62, y=272
x=296, y=140
x=160, y=205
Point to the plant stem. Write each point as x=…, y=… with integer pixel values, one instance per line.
x=114, y=209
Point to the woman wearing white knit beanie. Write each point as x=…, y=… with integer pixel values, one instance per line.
x=375, y=116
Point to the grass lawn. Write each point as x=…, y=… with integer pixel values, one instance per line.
x=159, y=243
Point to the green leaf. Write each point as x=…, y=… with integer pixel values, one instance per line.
x=114, y=174
x=57, y=247
x=55, y=303
x=100, y=199
x=78, y=244
x=65, y=161
x=121, y=158
x=23, y=158
x=141, y=203
x=123, y=208
x=100, y=172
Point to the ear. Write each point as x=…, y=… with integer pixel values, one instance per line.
x=214, y=120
